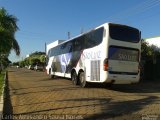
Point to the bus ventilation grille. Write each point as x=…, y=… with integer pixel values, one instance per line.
x=95, y=70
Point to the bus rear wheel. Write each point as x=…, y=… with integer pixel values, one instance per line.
x=82, y=80
x=74, y=78
x=51, y=76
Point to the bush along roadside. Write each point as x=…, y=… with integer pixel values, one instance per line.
x=2, y=77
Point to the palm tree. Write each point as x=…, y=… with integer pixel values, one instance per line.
x=8, y=27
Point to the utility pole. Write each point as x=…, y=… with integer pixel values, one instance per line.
x=45, y=48
x=82, y=30
x=69, y=35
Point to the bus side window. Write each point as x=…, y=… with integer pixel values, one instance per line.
x=49, y=53
x=63, y=48
x=46, y=59
x=79, y=44
x=69, y=48
x=57, y=51
x=90, y=40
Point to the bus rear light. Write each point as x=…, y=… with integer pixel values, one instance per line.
x=105, y=65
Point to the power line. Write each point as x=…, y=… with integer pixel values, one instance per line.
x=29, y=32
x=139, y=11
x=135, y=10
x=31, y=35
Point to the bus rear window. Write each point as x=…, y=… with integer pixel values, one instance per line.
x=123, y=54
x=124, y=33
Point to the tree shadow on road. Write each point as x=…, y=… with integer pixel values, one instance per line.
x=148, y=87
x=36, y=87
x=118, y=109
x=143, y=87
x=56, y=78
x=101, y=101
x=109, y=109
x=47, y=91
x=7, y=108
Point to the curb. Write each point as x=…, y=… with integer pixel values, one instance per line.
x=2, y=96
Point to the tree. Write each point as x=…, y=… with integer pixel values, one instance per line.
x=43, y=59
x=146, y=50
x=34, y=61
x=37, y=53
x=149, y=51
x=8, y=27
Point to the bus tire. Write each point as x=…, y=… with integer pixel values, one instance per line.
x=82, y=80
x=74, y=78
x=108, y=85
x=51, y=76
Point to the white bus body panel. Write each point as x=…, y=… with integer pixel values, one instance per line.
x=48, y=67
x=124, y=66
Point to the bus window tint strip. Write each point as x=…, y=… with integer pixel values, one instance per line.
x=123, y=54
x=88, y=40
x=124, y=33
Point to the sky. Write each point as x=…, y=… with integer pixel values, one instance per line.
x=44, y=21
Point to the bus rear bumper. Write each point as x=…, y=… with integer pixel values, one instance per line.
x=122, y=79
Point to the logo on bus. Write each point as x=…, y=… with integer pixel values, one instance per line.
x=127, y=57
x=91, y=55
x=65, y=60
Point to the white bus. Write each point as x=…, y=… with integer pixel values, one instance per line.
x=109, y=53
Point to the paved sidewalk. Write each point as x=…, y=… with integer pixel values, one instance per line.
x=34, y=94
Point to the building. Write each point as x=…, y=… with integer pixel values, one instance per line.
x=153, y=41
x=53, y=44
x=27, y=56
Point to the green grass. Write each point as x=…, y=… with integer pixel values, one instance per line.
x=1, y=81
